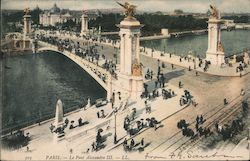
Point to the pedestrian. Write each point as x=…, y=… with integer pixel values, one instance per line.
x=103, y=115
x=155, y=126
x=201, y=119
x=142, y=142
x=196, y=73
x=180, y=101
x=242, y=92
x=156, y=83
x=132, y=143
x=225, y=101
x=197, y=126
x=52, y=128
x=217, y=126
x=80, y=121
x=172, y=65
x=98, y=114
x=93, y=146
x=179, y=84
x=125, y=142
x=197, y=119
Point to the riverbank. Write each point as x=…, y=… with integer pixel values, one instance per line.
x=14, y=53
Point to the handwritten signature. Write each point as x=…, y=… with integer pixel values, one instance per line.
x=190, y=154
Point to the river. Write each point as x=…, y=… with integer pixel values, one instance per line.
x=233, y=41
x=33, y=83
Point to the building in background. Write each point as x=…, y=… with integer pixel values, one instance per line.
x=56, y=15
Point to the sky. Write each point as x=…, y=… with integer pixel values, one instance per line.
x=229, y=6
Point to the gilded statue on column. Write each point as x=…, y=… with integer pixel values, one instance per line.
x=214, y=12
x=26, y=11
x=129, y=9
x=136, y=68
x=84, y=12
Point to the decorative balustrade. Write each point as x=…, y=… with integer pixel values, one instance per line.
x=98, y=73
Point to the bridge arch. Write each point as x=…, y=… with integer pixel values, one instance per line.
x=90, y=68
x=13, y=35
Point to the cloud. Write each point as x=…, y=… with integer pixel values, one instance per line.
x=146, y=5
x=235, y=6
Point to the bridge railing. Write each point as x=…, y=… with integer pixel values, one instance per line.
x=73, y=36
x=93, y=69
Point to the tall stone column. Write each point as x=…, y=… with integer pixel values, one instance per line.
x=26, y=29
x=99, y=33
x=84, y=26
x=130, y=76
x=215, y=52
x=26, y=26
x=122, y=52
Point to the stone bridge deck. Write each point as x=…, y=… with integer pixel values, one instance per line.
x=212, y=70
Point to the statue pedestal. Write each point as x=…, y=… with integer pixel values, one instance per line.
x=130, y=79
x=132, y=85
x=58, y=136
x=217, y=58
x=26, y=44
x=215, y=51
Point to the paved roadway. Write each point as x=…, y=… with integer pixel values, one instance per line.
x=209, y=92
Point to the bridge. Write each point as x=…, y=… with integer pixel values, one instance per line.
x=242, y=25
x=176, y=34
x=98, y=73
x=110, y=33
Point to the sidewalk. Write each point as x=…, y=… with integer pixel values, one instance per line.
x=213, y=70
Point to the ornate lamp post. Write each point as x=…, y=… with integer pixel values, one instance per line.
x=115, y=135
x=248, y=140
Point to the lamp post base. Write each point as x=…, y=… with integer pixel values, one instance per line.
x=115, y=139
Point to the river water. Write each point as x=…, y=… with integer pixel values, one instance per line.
x=33, y=84
x=233, y=41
